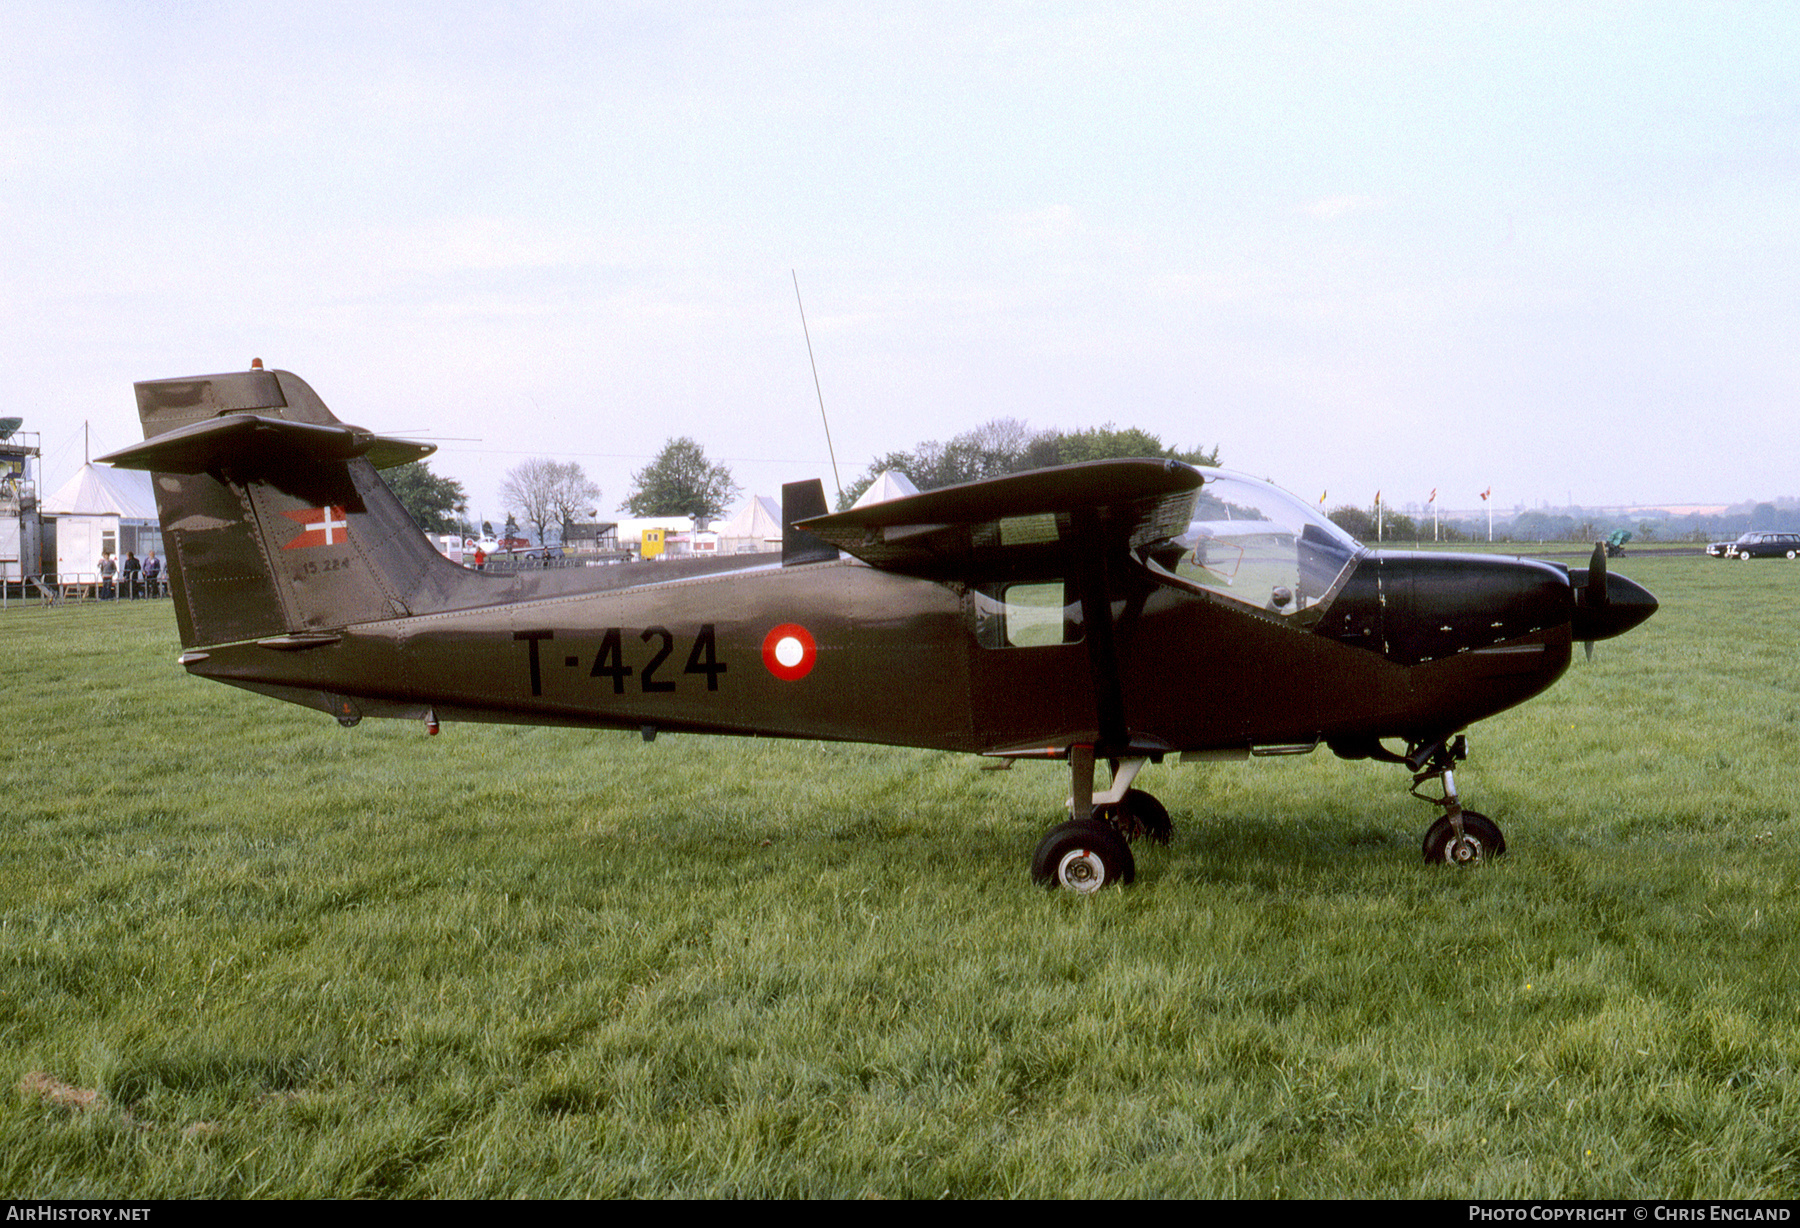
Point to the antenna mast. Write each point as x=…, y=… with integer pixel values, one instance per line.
x=815, y=370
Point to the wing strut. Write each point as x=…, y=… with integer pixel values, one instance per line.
x=1093, y=576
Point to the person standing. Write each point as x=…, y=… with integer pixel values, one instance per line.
x=152, y=573
x=132, y=569
x=108, y=569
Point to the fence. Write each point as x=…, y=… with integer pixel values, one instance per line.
x=51, y=589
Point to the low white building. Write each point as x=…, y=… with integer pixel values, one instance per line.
x=668, y=536
x=99, y=511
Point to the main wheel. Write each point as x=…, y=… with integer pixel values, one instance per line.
x=1481, y=839
x=1140, y=814
x=1082, y=855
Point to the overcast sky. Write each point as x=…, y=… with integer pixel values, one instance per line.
x=1548, y=248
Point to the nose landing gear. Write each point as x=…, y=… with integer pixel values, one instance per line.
x=1459, y=837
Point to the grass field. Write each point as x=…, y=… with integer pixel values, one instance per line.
x=244, y=952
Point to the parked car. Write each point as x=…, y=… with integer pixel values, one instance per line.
x=1756, y=545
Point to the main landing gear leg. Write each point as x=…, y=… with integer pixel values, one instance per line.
x=1084, y=854
x=1091, y=850
x=1133, y=812
x=1459, y=837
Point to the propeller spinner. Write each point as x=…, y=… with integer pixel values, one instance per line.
x=1605, y=607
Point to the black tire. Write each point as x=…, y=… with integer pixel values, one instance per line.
x=1141, y=815
x=1483, y=836
x=1082, y=855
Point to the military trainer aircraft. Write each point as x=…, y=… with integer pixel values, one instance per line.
x=1115, y=611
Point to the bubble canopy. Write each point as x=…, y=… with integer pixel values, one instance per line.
x=1254, y=543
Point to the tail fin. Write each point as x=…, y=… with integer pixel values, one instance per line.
x=801, y=501
x=273, y=517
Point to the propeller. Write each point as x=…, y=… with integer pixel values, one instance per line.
x=1605, y=607
x=1593, y=594
x=1596, y=585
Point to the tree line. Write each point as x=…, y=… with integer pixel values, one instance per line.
x=544, y=493
x=1571, y=525
x=681, y=480
x=1007, y=445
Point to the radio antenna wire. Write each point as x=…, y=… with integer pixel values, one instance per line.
x=835, y=480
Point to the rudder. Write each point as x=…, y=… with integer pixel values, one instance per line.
x=274, y=519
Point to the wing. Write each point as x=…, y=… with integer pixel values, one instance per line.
x=1024, y=524
x=1077, y=522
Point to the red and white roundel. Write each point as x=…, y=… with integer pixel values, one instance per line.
x=789, y=652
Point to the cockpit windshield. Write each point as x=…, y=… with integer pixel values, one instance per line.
x=1255, y=543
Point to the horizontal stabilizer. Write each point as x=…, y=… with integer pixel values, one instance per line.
x=253, y=442
x=1019, y=522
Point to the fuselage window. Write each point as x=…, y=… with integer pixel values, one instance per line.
x=1026, y=615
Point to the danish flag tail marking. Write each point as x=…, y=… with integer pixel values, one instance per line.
x=324, y=526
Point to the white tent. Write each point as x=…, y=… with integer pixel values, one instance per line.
x=99, y=490
x=99, y=511
x=756, y=527
x=892, y=484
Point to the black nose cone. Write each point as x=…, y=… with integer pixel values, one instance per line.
x=1600, y=615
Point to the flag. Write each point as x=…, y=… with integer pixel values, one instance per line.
x=1433, y=498
x=324, y=526
x=1486, y=493
x=1322, y=495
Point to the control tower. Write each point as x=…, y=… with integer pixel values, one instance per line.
x=21, y=532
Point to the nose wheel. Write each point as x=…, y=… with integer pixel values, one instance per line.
x=1480, y=839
